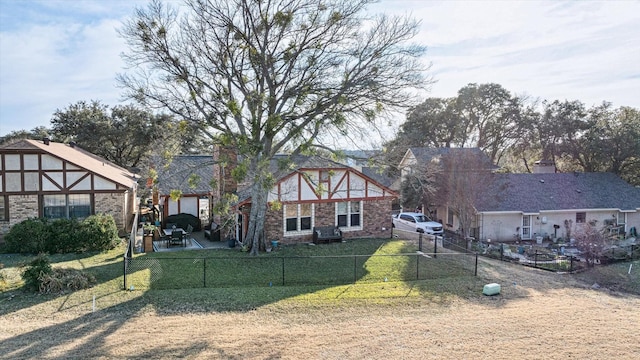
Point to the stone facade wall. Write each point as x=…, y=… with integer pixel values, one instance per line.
x=112, y=204
x=376, y=222
x=273, y=228
x=21, y=207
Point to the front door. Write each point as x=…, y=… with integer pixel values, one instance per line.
x=526, y=227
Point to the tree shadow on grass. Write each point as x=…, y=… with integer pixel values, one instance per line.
x=84, y=336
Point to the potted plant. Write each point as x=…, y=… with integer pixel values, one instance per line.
x=148, y=229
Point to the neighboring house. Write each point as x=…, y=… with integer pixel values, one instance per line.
x=192, y=176
x=424, y=159
x=420, y=157
x=318, y=192
x=538, y=205
x=545, y=205
x=54, y=180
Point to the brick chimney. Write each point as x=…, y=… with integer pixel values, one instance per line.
x=225, y=159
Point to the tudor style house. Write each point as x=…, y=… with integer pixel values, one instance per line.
x=55, y=180
x=316, y=192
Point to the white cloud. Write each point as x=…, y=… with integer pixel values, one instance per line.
x=49, y=66
x=60, y=52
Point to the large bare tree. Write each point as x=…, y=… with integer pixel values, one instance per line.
x=265, y=76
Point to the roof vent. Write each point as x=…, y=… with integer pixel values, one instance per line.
x=578, y=191
x=72, y=144
x=46, y=141
x=542, y=181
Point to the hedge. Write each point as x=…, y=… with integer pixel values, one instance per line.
x=39, y=235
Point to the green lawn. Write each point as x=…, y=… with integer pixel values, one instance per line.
x=354, y=270
x=358, y=261
x=236, y=282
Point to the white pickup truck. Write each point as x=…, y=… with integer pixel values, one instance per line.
x=411, y=221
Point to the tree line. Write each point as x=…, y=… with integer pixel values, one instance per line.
x=514, y=132
x=282, y=76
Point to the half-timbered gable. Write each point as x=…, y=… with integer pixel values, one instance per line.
x=318, y=192
x=54, y=180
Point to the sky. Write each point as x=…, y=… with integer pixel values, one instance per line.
x=54, y=53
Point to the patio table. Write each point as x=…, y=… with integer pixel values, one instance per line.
x=168, y=232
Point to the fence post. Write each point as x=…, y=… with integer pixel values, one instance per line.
x=501, y=252
x=204, y=273
x=417, y=267
x=283, y=271
x=535, y=259
x=420, y=242
x=475, y=273
x=124, y=271
x=435, y=246
x=571, y=264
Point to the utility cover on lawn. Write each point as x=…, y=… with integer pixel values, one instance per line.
x=491, y=289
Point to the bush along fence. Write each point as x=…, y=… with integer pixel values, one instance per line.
x=552, y=257
x=154, y=272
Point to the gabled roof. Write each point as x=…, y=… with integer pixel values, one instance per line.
x=424, y=155
x=78, y=157
x=532, y=193
x=176, y=175
x=283, y=165
x=375, y=174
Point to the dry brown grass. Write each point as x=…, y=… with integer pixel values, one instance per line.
x=537, y=315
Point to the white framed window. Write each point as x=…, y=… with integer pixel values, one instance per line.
x=298, y=218
x=349, y=215
x=66, y=206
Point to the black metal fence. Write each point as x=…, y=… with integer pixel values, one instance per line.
x=153, y=272
x=553, y=258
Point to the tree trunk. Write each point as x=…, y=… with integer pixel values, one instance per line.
x=257, y=215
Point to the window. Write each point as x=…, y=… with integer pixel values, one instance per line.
x=581, y=217
x=348, y=214
x=324, y=176
x=407, y=218
x=4, y=209
x=66, y=206
x=298, y=217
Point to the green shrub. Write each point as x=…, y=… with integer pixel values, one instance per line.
x=63, y=236
x=98, y=233
x=28, y=237
x=2, y=277
x=95, y=233
x=37, y=268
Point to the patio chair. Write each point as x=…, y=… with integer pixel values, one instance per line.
x=187, y=234
x=176, y=238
